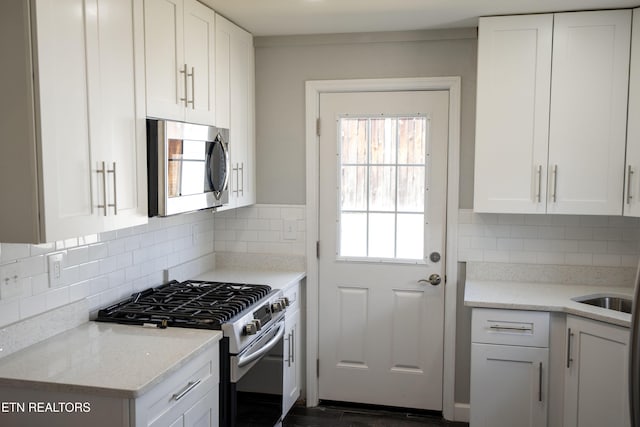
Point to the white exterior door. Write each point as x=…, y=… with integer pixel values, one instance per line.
x=383, y=180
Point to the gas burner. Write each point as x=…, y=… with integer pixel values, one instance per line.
x=190, y=304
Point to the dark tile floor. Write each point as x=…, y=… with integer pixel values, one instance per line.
x=341, y=415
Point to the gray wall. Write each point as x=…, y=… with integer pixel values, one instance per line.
x=284, y=64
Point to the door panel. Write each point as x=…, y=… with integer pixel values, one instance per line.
x=383, y=163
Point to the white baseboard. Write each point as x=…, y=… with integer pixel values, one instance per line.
x=461, y=412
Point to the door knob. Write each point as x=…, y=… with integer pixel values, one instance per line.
x=433, y=280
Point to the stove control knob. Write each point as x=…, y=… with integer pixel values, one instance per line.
x=257, y=323
x=250, y=328
x=286, y=301
x=276, y=307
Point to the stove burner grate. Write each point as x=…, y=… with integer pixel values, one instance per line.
x=189, y=304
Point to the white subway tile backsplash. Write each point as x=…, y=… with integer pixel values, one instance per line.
x=106, y=267
x=548, y=239
x=259, y=229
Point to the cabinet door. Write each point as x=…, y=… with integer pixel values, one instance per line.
x=291, y=359
x=632, y=177
x=199, y=52
x=235, y=106
x=69, y=182
x=164, y=56
x=512, y=114
x=508, y=386
x=118, y=116
x=588, y=112
x=596, y=381
x=203, y=413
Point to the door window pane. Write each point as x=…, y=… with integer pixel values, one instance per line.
x=382, y=187
x=410, y=236
x=353, y=194
x=353, y=133
x=353, y=230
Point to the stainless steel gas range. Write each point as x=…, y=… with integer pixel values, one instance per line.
x=251, y=318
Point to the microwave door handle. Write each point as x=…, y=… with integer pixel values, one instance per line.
x=246, y=359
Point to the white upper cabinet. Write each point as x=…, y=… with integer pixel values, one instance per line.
x=551, y=113
x=588, y=122
x=512, y=115
x=180, y=60
x=632, y=175
x=235, y=107
x=80, y=105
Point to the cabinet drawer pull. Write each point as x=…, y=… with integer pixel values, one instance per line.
x=540, y=383
x=190, y=386
x=629, y=173
x=569, y=359
x=511, y=328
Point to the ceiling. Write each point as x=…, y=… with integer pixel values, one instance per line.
x=288, y=17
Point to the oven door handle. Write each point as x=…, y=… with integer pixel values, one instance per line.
x=246, y=359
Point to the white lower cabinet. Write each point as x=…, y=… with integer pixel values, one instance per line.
x=509, y=368
x=291, y=385
x=292, y=358
x=188, y=397
x=596, y=374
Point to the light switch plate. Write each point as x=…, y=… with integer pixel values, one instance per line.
x=9, y=280
x=56, y=269
x=290, y=231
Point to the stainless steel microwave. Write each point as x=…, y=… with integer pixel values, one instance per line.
x=187, y=165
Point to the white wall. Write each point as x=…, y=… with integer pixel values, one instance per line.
x=283, y=64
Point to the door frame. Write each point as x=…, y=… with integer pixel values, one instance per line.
x=313, y=89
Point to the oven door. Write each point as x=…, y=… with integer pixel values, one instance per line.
x=257, y=381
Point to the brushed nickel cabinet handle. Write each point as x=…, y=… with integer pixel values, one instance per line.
x=193, y=88
x=242, y=179
x=114, y=205
x=511, y=328
x=554, y=175
x=540, y=383
x=569, y=359
x=629, y=173
x=186, y=89
x=190, y=386
x=539, y=188
x=103, y=171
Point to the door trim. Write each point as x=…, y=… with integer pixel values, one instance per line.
x=313, y=89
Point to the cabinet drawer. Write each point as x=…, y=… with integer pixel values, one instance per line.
x=510, y=327
x=182, y=388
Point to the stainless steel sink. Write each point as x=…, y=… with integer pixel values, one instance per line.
x=617, y=303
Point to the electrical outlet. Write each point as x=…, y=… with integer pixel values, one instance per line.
x=9, y=280
x=290, y=231
x=56, y=269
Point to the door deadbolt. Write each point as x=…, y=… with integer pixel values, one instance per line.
x=434, y=257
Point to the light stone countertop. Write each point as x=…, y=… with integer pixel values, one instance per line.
x=545, y=297
x=275, y=279
x=105, y=359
